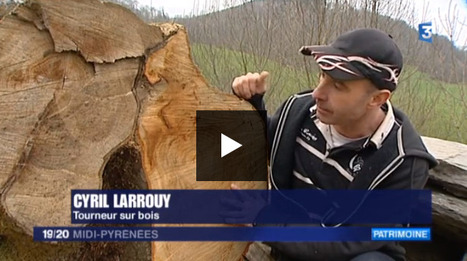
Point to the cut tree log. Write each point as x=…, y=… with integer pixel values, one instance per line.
x=449, y=184
x=83, y=84
x=167, y=136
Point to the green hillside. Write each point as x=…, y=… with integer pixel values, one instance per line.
x=437, y=109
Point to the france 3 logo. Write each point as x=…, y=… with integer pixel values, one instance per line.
x=425, y=32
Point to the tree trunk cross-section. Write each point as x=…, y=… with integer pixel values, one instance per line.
x=167, y=136
x=82, y=85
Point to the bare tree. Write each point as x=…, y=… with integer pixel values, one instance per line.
x=259, y=35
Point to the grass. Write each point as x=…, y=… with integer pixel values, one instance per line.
x=437, y=109
x=220, y=65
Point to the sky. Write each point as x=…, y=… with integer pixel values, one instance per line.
x=435, y=11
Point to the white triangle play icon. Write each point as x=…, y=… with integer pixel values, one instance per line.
x=228, y=145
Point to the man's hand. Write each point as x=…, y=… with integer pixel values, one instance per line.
x=246, y=86
x=242, y=208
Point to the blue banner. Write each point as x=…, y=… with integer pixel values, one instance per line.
x=326, y=208
x=401, y=234
x=283, y=234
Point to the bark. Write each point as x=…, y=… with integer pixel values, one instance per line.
x=449, y=204
x=449, y=184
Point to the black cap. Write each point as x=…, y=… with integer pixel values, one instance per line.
x=358, y=54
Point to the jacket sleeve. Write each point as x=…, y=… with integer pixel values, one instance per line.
x=411, y=174
x=271, y=121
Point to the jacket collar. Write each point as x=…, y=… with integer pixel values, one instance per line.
x=376, y=139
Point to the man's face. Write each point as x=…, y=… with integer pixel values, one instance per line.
x=342, y=102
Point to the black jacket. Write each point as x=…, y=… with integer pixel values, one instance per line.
x=401, y=162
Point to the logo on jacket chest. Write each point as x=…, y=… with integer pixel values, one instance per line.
x=356, y=165
x=306, y=134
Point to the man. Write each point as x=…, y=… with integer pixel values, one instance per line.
x=344, y=134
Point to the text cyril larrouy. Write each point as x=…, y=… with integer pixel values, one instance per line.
x=100, y=201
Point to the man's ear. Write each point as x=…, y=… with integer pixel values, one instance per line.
x=379, y=98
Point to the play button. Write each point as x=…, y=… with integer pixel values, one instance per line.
x=228, y=145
